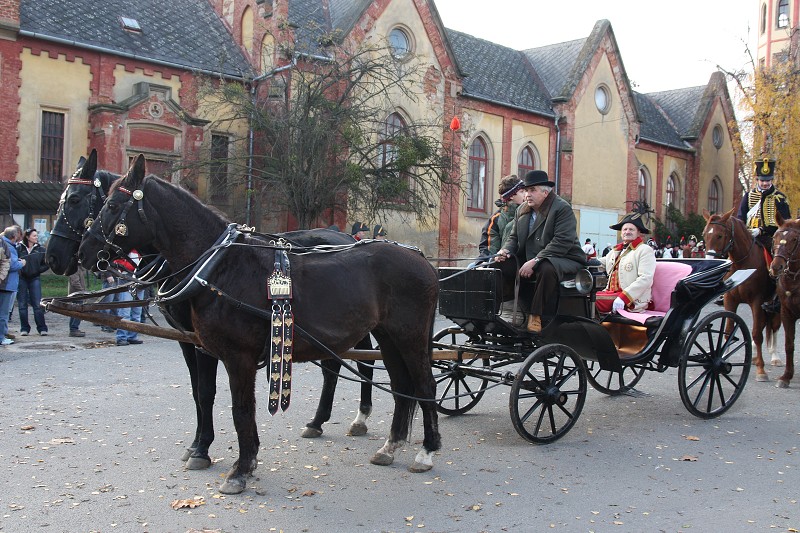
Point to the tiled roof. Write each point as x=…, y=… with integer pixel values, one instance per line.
x=655, y=124
x=554, y=63
x=682, y=106
x=185, y=33
x=311, y=21
x=499, y=74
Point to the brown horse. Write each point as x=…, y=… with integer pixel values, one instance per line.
x=785, y=267
x=395, y=299
x=726, y=236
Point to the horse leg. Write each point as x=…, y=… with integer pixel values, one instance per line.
x=358, y=426
x=403, y=407
x=330, y=375
x=788, y=332
x=242, y=376
x=430, y=418
x=759, y=321
x=206, y=393
x=191, y=364
x=773, y=324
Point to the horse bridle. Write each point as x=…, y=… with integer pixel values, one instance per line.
x=791, y=256
x=723, y=254
x=119, y=228
x=98, y=197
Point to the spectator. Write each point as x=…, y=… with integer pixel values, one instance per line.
x=379, y=233
x=359, y=231
x=30, y=284
x=8, y=287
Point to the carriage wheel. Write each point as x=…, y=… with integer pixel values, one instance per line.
x=457, y=391
x=610, y=382
x=548, y=393
x=715, y=363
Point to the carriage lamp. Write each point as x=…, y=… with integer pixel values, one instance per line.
x=584, y=281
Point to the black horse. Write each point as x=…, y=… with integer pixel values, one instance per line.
x=81, y=201
x=395, y=299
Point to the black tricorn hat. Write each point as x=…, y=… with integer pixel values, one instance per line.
x=632, y=218
x=359, y=226
x=537, y=177
x=765, y=168
x=379, y=231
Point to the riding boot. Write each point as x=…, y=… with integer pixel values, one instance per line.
x=534, y=324
x=773, y=305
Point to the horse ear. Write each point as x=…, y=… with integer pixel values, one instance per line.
x=136, y=172
x=89, y=166
x=706, y=214
x=779, y=219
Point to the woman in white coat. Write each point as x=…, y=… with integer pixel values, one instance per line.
x=630, y=266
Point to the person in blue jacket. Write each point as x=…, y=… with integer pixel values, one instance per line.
x=8, y=287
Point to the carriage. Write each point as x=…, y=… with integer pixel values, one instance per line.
x=549, y=373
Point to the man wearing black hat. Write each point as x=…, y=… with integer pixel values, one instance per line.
x=494, y=231
x=379, y=233
x=360, y=231
x=758, y=211
x=545, y=240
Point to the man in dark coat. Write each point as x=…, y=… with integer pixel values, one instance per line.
x=545, y=240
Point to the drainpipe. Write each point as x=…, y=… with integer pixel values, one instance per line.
x=557, y=178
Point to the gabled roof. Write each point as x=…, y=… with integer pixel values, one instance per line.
x=498, y=74
x=656, y=126
x=683, y=107
x=555, y=62
x=181, y=33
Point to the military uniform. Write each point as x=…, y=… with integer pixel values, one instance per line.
x=758, y=208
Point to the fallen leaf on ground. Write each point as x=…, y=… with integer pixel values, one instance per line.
x=190, y=503
x=309, y=493
x=26, y=428
x=688, y=458
x=692, y=437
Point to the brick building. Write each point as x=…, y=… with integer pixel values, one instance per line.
x=122, y=77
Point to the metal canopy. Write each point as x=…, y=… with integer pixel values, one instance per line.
x=24, y=196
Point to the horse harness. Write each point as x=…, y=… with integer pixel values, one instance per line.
x=723, y=254
x=97, y=198
x=791, y=256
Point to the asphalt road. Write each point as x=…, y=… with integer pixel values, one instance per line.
x=91, y=435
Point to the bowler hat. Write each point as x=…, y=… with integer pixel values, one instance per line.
x=632, y=218
x=537, y=177
x=378, y=231
x=765, y=169
x=359, y=226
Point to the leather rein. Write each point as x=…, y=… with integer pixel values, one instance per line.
x=790, y=257
x=725, y=252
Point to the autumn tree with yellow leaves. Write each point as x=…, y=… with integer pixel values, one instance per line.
x=769, y=99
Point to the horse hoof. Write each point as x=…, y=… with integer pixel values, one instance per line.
x=232, y=486
x=382, y=459
x=186, y=454
x=418, y=467
x=356, y=430
x=776, y=362
x=781, y=384
x=762, y=377
x=198, y=463
x=311, y=433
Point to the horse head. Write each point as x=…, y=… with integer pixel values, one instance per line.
x=121, y=224
x=726, y=236
x=80, y=202
x=785, y=247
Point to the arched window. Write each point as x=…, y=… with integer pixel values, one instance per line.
x=247, y=30
x=644, y=185
x=526, y=161
x=389, y=187
x=783, y=14
x=763, y=18
x=714, y=196
x=476, y=175
x=673, y=196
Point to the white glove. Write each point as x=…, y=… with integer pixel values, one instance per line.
x=618, y=304
x=755, y=232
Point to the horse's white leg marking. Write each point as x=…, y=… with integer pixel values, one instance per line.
x=422, y=462
x=359, y=425
x=385, y=456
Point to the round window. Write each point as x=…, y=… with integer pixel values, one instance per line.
x=716, y=136
x=399, y=43
x=602, y=99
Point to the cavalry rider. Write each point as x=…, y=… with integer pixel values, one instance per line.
x=758, y=211
x=544, y=238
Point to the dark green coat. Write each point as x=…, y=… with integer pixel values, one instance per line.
x=554, y=236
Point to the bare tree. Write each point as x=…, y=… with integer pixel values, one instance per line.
x=326, y=133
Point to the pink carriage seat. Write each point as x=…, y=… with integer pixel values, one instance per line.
x=667, y=276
